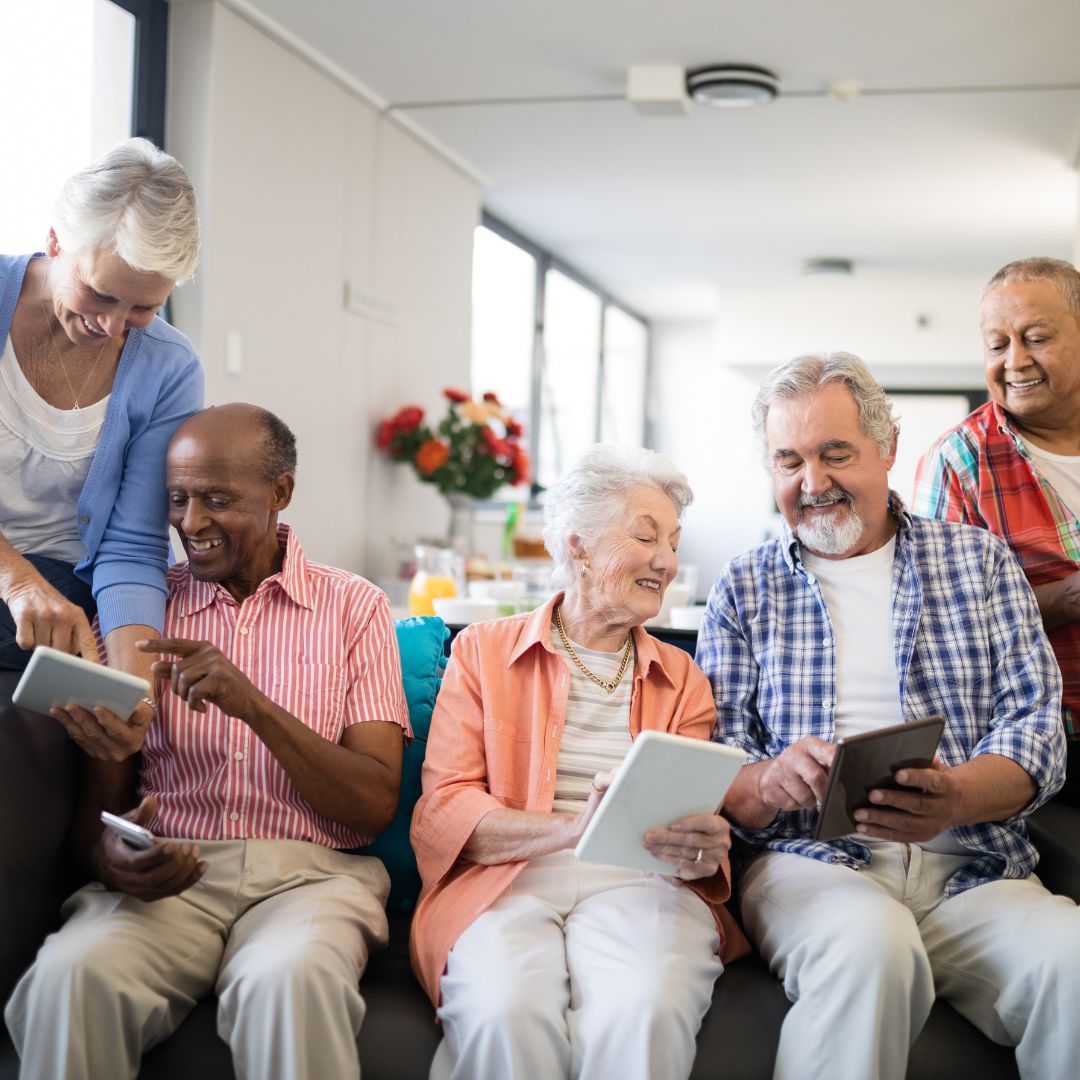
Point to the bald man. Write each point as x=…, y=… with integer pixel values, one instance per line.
x=278, y=742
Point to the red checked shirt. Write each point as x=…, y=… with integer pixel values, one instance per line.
x=979, y=473
x=320, y=643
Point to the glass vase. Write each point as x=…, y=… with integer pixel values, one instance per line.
x=462, y=518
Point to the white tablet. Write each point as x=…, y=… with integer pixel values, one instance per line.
x=664, y=777
x=57, y=678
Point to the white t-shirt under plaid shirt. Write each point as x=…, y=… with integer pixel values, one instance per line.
x=596, y=735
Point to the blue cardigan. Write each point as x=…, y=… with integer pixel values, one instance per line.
x=122, y=509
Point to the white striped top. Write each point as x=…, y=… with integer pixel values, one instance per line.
x=320, y=643
x=596, y=735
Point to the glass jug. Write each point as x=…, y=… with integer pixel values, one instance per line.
x=434, y=577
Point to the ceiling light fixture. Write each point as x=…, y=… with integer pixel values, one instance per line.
x=828, y=265
x=731, y=85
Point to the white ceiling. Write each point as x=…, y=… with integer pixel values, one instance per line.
x=663, y=211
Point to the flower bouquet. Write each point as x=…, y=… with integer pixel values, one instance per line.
x=473, y=450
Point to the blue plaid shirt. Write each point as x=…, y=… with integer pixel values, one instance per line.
x=969, y=646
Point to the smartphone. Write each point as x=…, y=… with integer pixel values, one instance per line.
x=133, y=835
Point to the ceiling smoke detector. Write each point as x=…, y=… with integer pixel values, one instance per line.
x=829, y=265
x=731, y=85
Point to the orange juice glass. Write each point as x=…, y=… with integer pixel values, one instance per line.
x=434, y=577
x=426, y=587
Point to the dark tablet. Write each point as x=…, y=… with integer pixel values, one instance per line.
x=868, y=761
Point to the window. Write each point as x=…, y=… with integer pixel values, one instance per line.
x=626, y=356
x=503, y=313
x=563, y=357
x=85, y=74
x=570, y=375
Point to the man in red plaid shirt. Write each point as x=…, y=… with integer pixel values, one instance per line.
x=1013, y=465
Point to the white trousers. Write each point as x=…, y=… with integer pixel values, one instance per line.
x=281, y=929
x=863, y=953
x=579, y=971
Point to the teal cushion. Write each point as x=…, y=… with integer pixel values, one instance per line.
x=421, y=642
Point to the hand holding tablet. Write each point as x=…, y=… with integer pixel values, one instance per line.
x=663, y=778
x=868, y=762
x=55, y=679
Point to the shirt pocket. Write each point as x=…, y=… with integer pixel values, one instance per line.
x=508, y=750
x=315, y=695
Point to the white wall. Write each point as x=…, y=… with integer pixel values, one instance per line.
x=914, y=333
x=337, y=261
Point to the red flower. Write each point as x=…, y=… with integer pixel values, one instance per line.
x=513, y=429
x=456, y=395
x=490, y=396
x=433, y=454
x=385, y=435
x=407, y=418
x=520, y=464
x=499, y=447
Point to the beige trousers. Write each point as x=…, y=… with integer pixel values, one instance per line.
x=863, y=954
x=280, y=929
x=579, y=971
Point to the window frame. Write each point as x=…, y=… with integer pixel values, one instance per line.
x=545, y=261
x=151, y=67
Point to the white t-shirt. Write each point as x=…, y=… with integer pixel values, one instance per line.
x=45, y=456
x=858, y=597
x=1062, y=471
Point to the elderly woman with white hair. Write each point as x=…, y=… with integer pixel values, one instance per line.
x=92, y=386
x=539, y=965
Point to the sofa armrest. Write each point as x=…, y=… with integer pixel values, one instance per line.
x=1055, y=831
x=38, y=788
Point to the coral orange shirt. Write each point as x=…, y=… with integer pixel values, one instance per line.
x=494, y=744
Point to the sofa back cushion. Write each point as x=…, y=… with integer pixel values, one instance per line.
x=422, y=642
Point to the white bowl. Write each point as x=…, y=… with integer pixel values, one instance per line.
x=686, y=618
x=462, y=610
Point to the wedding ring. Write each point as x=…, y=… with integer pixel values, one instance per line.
x=697, y=858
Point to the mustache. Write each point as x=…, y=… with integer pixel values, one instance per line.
x=835, y=494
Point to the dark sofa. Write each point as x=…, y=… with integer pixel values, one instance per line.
x=38, y=769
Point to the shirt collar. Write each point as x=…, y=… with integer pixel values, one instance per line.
x=536, y=633
x=793, y=551
x=194, y=595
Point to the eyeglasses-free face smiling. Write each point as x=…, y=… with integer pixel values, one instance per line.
x=632, y=563
x=829, y=478
x=95, y=295
x=1031, y=354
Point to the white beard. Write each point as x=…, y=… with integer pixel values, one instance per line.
x=828, y=536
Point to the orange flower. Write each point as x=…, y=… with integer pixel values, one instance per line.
x=432, y=455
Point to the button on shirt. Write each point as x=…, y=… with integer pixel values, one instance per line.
x=320, y=643
x=968, y=645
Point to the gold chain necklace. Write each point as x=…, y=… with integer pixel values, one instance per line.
x=60, y=359
x=608, y=686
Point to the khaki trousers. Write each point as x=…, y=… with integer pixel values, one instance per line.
x=863, y=954
x=280, y=929
x=579, y=971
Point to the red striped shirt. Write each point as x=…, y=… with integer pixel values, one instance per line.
x=320, y=643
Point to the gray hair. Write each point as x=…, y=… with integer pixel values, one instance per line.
x=1041, y=268
x=589, y=497
x=136, y=201
x=807, y=374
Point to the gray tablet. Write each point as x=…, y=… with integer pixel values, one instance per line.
x=664, y=777
x=868, y=761
x=57, y=678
